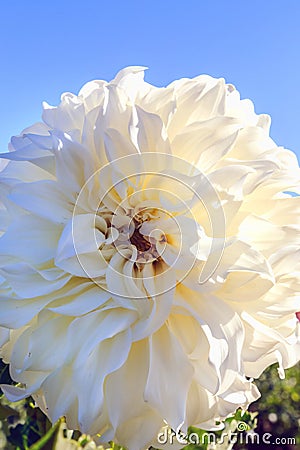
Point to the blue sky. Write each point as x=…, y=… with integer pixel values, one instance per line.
x=47, y=48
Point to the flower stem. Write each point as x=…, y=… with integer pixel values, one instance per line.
x=41, y=442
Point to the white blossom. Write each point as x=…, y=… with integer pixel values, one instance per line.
x=149, y=257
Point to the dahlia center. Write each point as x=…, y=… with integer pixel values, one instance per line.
x=131, y=234
x=140, y=242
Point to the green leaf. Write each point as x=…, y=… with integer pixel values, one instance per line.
x=7, y=411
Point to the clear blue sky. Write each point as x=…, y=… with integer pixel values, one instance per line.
x=50, y=47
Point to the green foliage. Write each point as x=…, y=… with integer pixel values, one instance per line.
x=21, y=423
x=279, y=408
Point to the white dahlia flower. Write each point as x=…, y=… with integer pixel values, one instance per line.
x=149, y=258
